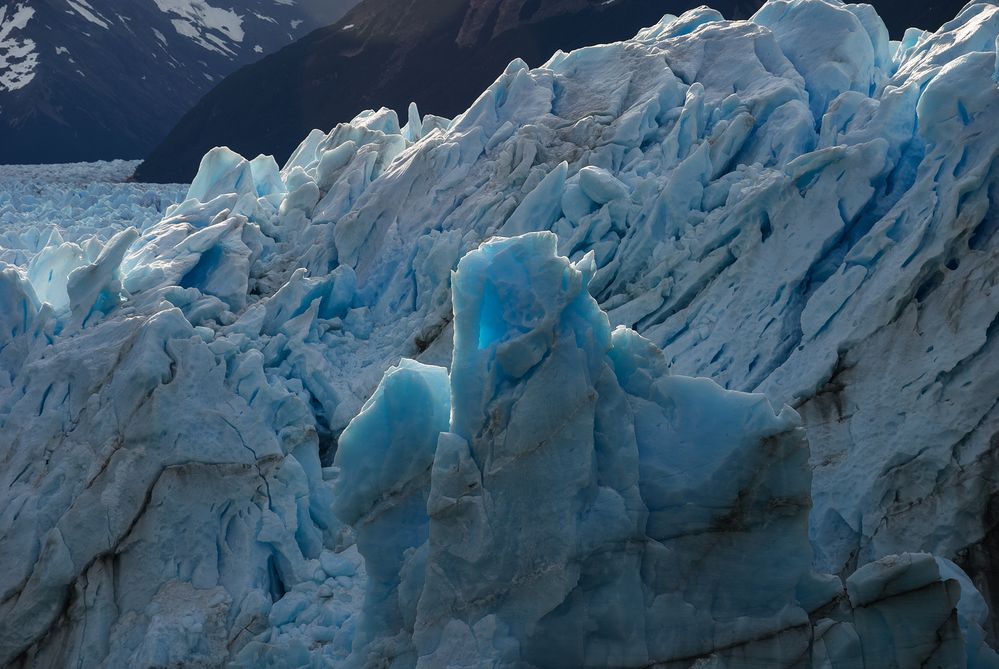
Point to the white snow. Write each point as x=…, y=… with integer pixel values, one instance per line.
x=18, y=57
x=84, y=9
x=205, y=24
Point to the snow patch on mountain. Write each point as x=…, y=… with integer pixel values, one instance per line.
x=18, y=57
x=205, y=24
x=84, y=9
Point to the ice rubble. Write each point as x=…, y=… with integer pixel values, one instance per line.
x=792, y=205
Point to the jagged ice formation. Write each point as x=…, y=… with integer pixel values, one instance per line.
x=791, y=205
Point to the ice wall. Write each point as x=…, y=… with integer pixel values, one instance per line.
x=588, y=509
x=789, y=205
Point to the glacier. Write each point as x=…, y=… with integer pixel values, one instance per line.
x=655, y=501
x=437, y=394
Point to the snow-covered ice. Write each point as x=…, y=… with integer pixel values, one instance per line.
x=426, y=395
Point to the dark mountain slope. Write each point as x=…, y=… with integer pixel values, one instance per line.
x=97, y=79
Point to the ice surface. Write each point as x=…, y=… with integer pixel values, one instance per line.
x=587, y=508
x=204, y=461
x=577, y=479
x=83, y=204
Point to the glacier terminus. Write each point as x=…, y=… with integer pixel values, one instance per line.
x=681, y=351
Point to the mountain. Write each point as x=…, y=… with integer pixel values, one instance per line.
x=102, y=79
x=678, y=351
x=389, y=53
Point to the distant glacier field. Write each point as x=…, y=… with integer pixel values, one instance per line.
x=78, y=200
